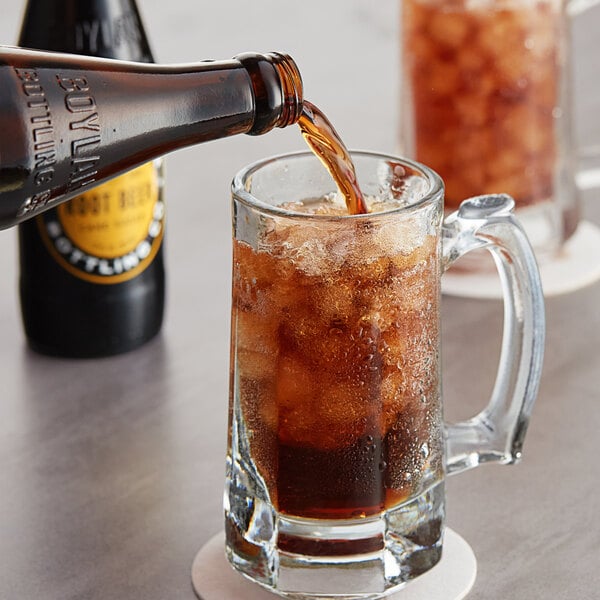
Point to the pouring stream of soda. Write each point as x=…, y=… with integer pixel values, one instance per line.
x=324, y=141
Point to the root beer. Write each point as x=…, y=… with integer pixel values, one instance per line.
x=334, y=362
x=483, y=94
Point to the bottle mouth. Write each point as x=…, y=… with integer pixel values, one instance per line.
x=292, y=88
x=277, y=86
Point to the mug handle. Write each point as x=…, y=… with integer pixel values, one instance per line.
x=496, y=434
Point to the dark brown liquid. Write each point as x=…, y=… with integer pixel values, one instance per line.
x=338, y=392
x=349, y=482
x=325, y=142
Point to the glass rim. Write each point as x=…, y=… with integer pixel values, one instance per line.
x=239, y=192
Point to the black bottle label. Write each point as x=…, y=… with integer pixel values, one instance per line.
x=111, y=233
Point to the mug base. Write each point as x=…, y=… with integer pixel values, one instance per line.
x=347, y=559
x=451, y=579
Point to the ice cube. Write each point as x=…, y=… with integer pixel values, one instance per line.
x=472, y=110
x=450, y=29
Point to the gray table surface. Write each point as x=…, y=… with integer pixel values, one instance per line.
x=112, y=470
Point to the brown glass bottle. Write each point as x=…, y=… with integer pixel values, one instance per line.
x=70, y=122
x=74, y=122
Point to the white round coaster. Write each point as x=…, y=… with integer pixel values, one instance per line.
x=575, y=267
x=452, y=578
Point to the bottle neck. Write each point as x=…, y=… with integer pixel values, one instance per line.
x=277, y=86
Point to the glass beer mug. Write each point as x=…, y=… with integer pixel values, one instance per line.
x=337, y=448
x=486, y=102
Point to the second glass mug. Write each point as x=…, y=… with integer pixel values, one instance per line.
x=337, y=448
x=486, y=101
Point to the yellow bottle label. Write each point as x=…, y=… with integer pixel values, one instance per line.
x=111, y=233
